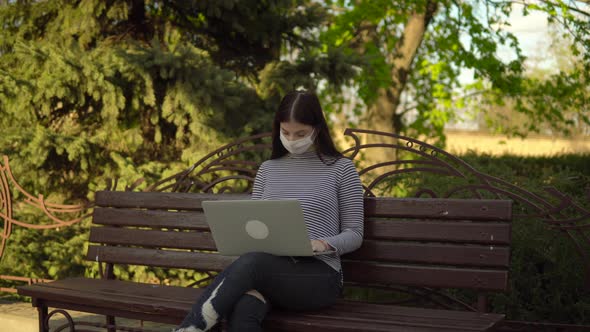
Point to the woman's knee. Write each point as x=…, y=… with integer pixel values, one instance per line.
x=253, y=270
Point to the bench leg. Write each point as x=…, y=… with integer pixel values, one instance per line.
x=482, y=302
x=111, y=321
x=42, y=309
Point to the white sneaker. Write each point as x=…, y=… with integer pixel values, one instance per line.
x=188, y=329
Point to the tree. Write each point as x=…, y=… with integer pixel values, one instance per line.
x=129, y=89
x=551, y=62
x=414, y=52
x=137, y=88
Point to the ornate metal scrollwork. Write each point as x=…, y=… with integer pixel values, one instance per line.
x=231, y=168
x=73, y=325
x=50, y=210
x=68, y=317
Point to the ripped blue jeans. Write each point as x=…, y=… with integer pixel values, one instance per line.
x=291, y=283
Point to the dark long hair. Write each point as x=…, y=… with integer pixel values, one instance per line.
x=304, y=107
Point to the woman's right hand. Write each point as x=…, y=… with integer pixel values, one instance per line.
x=319, y=246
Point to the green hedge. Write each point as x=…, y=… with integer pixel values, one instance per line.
x=547, y=277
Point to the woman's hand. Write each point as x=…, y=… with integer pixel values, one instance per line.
x=319, y=245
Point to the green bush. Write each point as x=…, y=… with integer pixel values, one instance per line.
x=548, y=276
x=548, y=281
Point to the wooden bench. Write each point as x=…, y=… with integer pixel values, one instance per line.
x=429, y=243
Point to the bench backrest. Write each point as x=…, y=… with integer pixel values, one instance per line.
x=450, y=243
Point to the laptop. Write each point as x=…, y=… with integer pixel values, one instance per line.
x=272, y=226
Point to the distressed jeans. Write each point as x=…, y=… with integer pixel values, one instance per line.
x=292, y=283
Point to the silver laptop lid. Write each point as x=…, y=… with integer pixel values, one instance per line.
x=273, y=226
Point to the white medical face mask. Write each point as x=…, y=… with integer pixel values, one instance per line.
x=298, y=146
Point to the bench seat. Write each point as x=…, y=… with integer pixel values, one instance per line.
x=169, y=304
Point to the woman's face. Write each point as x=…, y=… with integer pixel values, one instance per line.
x=293, y=130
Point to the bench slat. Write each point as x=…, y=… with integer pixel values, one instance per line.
x=153, y=238
x=425, y=276
x=162, y=258
x=128, y=292
x=439, y=208
x=118, y=298
x=440, y=319
x=371, y=250
x=405, y=230
x=327, y=322
x=363, y=272
x=407, y=311
x=159, y=200
x=439, y=231
x=193, y=220
x=432, y=253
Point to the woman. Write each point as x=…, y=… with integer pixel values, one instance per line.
x=304, y=165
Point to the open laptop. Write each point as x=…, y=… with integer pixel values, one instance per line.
x=273, y=226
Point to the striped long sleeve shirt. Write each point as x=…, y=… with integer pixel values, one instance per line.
x=331, y=197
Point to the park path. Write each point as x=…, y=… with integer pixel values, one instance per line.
x=22, y=317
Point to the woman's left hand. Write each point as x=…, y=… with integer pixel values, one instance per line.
x=319, y=245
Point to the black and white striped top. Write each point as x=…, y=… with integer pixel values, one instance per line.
x=331, y=197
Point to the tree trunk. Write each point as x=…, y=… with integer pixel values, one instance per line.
x=138, y=21
x=382, y=116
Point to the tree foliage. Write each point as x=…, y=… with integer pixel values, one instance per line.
x=93, y=90
x=553, y=69
x=415, y=52
x=128, y=89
